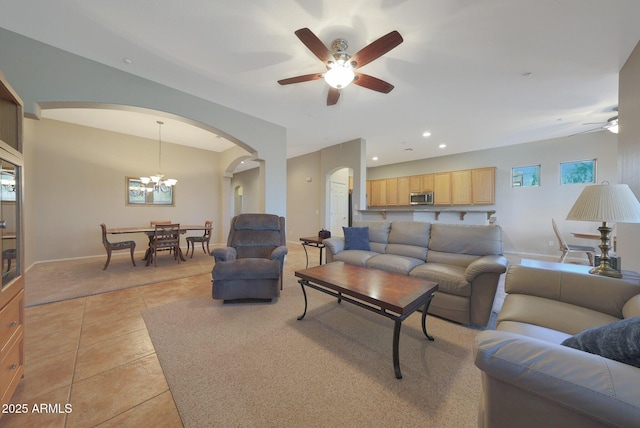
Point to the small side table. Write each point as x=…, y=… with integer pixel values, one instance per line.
x=312, y=241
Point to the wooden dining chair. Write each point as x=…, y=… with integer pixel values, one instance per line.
x=111, y=246
x=165, y=237
x=153, y=223
x=568, y=248
x=204, y=239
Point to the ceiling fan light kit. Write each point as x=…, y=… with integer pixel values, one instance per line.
x=341, y=66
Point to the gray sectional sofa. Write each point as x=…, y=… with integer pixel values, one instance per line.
x=562, y=353
x=466, y=261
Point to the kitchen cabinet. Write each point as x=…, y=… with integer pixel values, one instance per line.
x=378, y=193
x=461, y=187
x=442, y=188
x=427, y=183
x=415, y=184
x=483, y=184
x=392, y=192
x=464, y=187
x=404, y=189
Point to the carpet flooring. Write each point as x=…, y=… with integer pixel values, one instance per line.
x=256, y=365
x=69, y=279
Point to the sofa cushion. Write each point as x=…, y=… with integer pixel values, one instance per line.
x=354, y=257
x=549, y=313
x=393, y=263
x=466, y=239
x=378, y=234
x=619, y=341
x=450, y=279
x=462, y=260
x=356, y=238
x=409, y=239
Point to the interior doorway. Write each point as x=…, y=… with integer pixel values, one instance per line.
x=339, y=201
x=237, y=201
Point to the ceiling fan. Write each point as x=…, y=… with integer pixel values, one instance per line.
x=341, y=66
x=610, y=125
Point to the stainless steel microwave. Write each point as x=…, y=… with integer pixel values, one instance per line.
x=421, y=198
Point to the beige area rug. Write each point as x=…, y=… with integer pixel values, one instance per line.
x=256, y=365
x=62, y=280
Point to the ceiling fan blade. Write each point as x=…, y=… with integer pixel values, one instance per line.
x=300, y=79
x=372, y=83
x=333, y=96
x=314, y=44
x=602, y=128
x=376, y=49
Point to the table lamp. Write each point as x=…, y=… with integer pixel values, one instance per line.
x=606, y=203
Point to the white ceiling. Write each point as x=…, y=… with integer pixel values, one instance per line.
x=475, y=73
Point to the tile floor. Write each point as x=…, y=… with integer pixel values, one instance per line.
x=95, y=354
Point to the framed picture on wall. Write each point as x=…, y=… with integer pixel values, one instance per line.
x=578, y=172
x=525, y=176
x=150, y=194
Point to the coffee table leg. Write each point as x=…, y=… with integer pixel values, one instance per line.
x=305, y=301
x=304, y=247
x=424, y=317
x=396, y=346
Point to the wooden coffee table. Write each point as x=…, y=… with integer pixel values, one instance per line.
x=391, y=295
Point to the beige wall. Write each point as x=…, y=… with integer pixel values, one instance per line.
x=75, y=178
x=304, y=182
x=525, y=213
x=629, y=154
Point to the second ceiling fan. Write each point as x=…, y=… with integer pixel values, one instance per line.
x=341, y=66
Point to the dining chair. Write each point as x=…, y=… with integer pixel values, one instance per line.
x=568, y=248
x=165, y=237
x=111, y=246
x=204, y=239
x=153, y=223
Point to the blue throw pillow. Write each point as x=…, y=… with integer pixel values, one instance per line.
x=618, y=341
x=356, y=238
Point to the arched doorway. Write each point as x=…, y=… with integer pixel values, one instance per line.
x=237, y=200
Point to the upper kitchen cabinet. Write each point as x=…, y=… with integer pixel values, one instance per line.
x=483, y=184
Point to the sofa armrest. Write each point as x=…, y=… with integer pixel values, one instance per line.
x=333, y=246
x=561, y=382
x=224, y=254
x=486, y=264
x=278, y=253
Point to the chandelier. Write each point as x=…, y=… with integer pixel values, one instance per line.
x=155, y=183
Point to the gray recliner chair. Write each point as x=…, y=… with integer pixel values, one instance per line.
x=250, y=267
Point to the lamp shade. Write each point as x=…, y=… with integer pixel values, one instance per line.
x=606, y=202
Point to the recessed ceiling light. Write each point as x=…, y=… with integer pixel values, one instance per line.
x=127, y=61
x=442, y=146
x=426, y=134
x=375, y=158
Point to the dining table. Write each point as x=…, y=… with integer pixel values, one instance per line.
x=149, y=231
x=595, y=237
